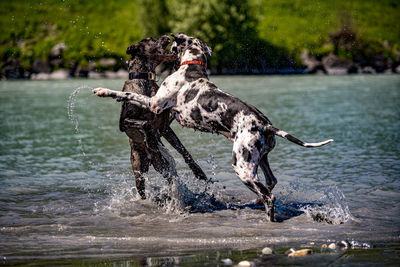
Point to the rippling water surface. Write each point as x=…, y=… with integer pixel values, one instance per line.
x=67, y=189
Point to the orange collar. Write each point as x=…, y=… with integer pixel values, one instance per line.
x=194, y=62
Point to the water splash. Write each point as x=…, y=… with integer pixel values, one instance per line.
x=72, y=116
x=322, y=204
x=334, y=208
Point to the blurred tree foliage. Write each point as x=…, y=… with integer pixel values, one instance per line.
x=229, y=26
x=247, y=36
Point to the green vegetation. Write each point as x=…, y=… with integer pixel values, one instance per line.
x=246, y=36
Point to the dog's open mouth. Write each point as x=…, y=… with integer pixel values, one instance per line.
x=166, y=42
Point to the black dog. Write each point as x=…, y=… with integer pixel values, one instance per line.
x=143, y=127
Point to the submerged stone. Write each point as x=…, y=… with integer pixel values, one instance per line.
x=287, y=252
x=301, y=252
x=344, y=244
x=267, y=251
x=227, y=261
x=244, y=264
x=332, y=246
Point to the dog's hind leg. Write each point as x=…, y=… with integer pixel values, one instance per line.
x=140, y=165
x=248, y=175
x=245, y=163
x=270, y=179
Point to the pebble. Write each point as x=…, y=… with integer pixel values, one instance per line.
x=344, y=244
x=244, y=264
x=267, y=251
x=227, y=261
x=359, y=244
x=301, y=252
x=287, y=252
x=332, y=246
x=324, y=246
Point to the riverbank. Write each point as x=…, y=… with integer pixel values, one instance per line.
x=382, y=254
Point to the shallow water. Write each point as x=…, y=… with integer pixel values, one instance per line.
x=67, y=189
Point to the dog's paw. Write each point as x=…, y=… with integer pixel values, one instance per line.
x=103, y=92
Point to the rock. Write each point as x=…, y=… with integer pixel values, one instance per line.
x=12, y=69
x=59, y=75
x=40, y=76
x=110, y=75
x=359, y=244
x=344, y=244
x=301, y=252
x=397, y=69
x=95, y=75
x=378, y=62
x=40, y=66
x=227, y=261
x=313, y=65
x=287, y=252
x=57, y=50
x=244, y=264
x=368, y=69
x=81, y=72
x=338, y=66
x=267, y=251
x=332, y=246
x=107, y=63
x=324, y=246
x=123, y=74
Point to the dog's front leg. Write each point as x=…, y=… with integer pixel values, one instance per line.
x=142, y=100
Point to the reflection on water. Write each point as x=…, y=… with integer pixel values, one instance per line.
x=68, y=191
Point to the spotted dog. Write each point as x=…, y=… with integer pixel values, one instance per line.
x=198, y=103
x=142, y=126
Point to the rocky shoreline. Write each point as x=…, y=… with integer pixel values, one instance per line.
x=333, y=65
x=55, y=67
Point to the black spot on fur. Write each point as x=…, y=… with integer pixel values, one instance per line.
x=196, y=115
x=246, y=154
x=254, y=129
x=190, y=41
x=258, y=145
x=201, y=81
x=210, y=99
x=191, y=94
x=176, y=83
x=234, y=159
x=195, y=72
x=195, y=51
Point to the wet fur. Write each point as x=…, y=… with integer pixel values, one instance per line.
x=198, y=103
x=142, y=126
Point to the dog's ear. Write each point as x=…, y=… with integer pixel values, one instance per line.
x=206, y=48
x=135, y=49
x=178, y=39
x=131, y=50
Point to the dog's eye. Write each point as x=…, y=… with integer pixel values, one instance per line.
x=175, y=49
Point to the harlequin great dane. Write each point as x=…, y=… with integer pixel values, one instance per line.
x=198, y=103
x=142, y=126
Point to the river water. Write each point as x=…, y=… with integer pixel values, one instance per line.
x=67, y=189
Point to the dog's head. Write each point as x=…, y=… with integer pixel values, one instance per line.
x=182, y=42
x=153, y=49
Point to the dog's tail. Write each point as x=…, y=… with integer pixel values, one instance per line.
x=293, y=139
